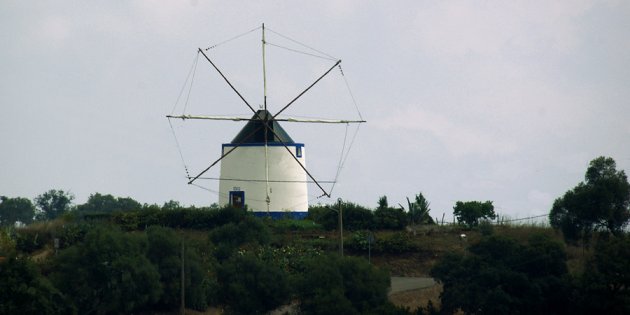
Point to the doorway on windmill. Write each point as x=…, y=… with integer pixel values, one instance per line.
x=237, y=199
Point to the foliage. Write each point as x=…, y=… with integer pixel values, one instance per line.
x=395, y=243
x=471, y=212
x=341, y=285
x=605, y=286
x=485, y=228
x=164, y=251
x=382, y=202
x=53, y=204
x=29, y=239
x=356, y=217
x=289, y=258
x=108, y=203
x=73, y=233
x=251, y=286
x=189, y=218
x=293, y=225
x=107, y=273
x=14, y=210
x=25, y=291
x=501, y=276
x=419, y=210
x=231, y=236
x=601, y=202
x=390, y=218
x=7, y=243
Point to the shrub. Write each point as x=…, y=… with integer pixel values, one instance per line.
x=251, y=286
x=336, y=285
x=396, y=243
x=108, y=272
x=390, y=219
x=355, y=217
x=25, y=291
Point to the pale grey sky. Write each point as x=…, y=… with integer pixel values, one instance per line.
x=465, y=100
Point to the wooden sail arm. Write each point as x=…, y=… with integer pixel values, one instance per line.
x=192, y=179
x=287, y=119
x=306, y=90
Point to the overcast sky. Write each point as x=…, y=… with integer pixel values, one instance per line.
x=465, y=100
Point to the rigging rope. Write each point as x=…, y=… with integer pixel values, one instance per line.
x=343, y=148
x=300, y=52
x=192, y=80
x=193, y=66
x=181, y=155
x=301, y=44
x=356, y=131
x=356, y=106
x=233, y=38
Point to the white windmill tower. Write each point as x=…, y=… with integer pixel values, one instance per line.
x=263, y=168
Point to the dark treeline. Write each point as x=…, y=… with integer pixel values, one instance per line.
x=105, y=267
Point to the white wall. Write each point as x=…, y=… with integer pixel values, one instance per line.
x=244, y=170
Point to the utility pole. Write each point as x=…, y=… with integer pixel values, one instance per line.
x=340, y=228
x=182, y=309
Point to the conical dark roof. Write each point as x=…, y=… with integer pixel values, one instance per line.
x=254, y=130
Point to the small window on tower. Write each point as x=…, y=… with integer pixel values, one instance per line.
x=298, y=151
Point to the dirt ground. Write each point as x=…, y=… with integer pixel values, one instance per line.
x=415, y=298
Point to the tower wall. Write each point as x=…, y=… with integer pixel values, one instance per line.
x=244, y=170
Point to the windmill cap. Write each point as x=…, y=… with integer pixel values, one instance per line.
x=254, y=131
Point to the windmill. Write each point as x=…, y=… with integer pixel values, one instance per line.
x=262, y=167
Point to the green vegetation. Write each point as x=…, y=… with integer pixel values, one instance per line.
x=600, y=203
x=471, y=212
x=14, y=210
x=53, y=204
x=113, y=255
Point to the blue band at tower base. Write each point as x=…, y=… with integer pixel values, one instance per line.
x=278, y=215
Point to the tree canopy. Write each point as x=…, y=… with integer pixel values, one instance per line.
x=53, y=203
x=470, y=212
x=108, y=203
x=600, y=202
x=16, y=209
x=501, y=276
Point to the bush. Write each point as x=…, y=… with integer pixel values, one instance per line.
x=108, y=272
x=501, y=276
x=355, y=217
x=390, y=219
x=251, y=286
x=164, y=251
x=30, y=239
x=486, y=228
x=188, y=218
x=231, y=236
x=336, y=285
x=397, y=243
x=25, y=291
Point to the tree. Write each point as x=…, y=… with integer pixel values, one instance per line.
x=108, y=203
x=605, y=284
x=501, y=276
x=108, y=273
x=342, y=285
x=25, y=291
x=601, y=202
x=53, y=203
x=164, y=251
x=251, y=286
x=14, y=210
x=419, y=210
x=470, y=212
x=382, y=202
